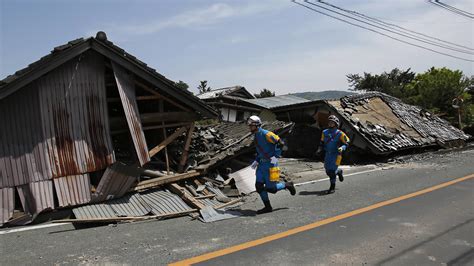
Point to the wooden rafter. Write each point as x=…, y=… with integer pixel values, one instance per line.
x=154, y=92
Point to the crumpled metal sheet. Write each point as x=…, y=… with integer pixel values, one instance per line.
x=164, y=202
x=130, y=205
x=94, y=211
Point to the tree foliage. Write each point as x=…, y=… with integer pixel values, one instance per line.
x=393, y=83
x=433, y=90
x=264, y=94
x=182, y=85
x=203, y=87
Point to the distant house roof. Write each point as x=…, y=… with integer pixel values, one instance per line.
x=63, y=53
x=236, y=91
x=277, y=101
x=322, y=95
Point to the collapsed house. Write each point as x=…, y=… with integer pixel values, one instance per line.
x=231, y=103
x=73, y=118
x=376, y=123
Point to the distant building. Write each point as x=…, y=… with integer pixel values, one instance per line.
x=231, y=103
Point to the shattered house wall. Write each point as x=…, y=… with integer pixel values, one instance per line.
x=54, y=127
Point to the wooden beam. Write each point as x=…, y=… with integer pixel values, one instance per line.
x=163, y=125
x=184, y=156
x=154, y=92
x=228, y=203
x=186, y=196
x=148, y=97
x=159, y=181
x=206, y=196
x=168, y=116
x=167, y=141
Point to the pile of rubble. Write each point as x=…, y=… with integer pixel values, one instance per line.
x=391, y=125
x=213, y=145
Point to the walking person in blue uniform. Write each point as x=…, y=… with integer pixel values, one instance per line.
x=333, y=142
x=268, y=146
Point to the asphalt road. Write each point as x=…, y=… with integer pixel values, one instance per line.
x=432, y=228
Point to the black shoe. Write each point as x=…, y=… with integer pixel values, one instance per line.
x=291, y=187
x=331, y=189
x=341, y=177
x=267, y=208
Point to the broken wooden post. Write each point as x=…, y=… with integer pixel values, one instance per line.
x=184, y=156
x=165, y=136
x=186, y=196
x=167, y=141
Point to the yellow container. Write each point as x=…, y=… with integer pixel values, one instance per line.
x=274, y=174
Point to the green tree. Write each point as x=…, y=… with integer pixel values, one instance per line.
x=265, y=93
x=436, y=89
x=393, y=83
x=182, y=85
x=203, y=87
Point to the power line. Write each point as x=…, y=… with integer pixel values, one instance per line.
x=452, y=9
x=392, y=31
x=381, y=33
x=394, y=26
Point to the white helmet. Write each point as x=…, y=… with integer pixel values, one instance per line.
x=254, y=120
x=334, y=119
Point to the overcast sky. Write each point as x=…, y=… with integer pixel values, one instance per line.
x=257, y=44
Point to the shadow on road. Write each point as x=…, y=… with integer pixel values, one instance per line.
x=311, y=193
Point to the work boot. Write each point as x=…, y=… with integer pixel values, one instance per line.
x=339, y=174
x=332, y=189
x=291, y=187
x=267, y=208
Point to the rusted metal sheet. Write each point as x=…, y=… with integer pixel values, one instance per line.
x=74, y=116
x=94, y=211
x=163, y=202
x=115, y=182
x=7, y=204
x=23, y=157
x=130, y=205
x=126, y=89
x=36, y=197
x=73, y=190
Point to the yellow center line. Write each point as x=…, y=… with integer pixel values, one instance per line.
x=303, y=228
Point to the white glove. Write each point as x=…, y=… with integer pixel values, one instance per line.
x=274, y=160
x=340, y=149
x=254, y=165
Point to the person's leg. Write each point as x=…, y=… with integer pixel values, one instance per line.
x=260, y=186
x=339, y=172
x=332, y=180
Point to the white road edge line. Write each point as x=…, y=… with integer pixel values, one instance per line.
x=33, y=227
x=325, y=179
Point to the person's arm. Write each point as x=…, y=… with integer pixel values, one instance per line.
x=345, y=142
x=277, y=141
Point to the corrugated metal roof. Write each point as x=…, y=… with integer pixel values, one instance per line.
x=94, y=211
x=163, y=202
x=7, y=204
x=277, y=101
x=36, y=197
x=322, y=95
x=130, y=205
x=115, y=182
x=73, y=190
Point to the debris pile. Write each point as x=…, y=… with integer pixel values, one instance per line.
x=391, y=125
